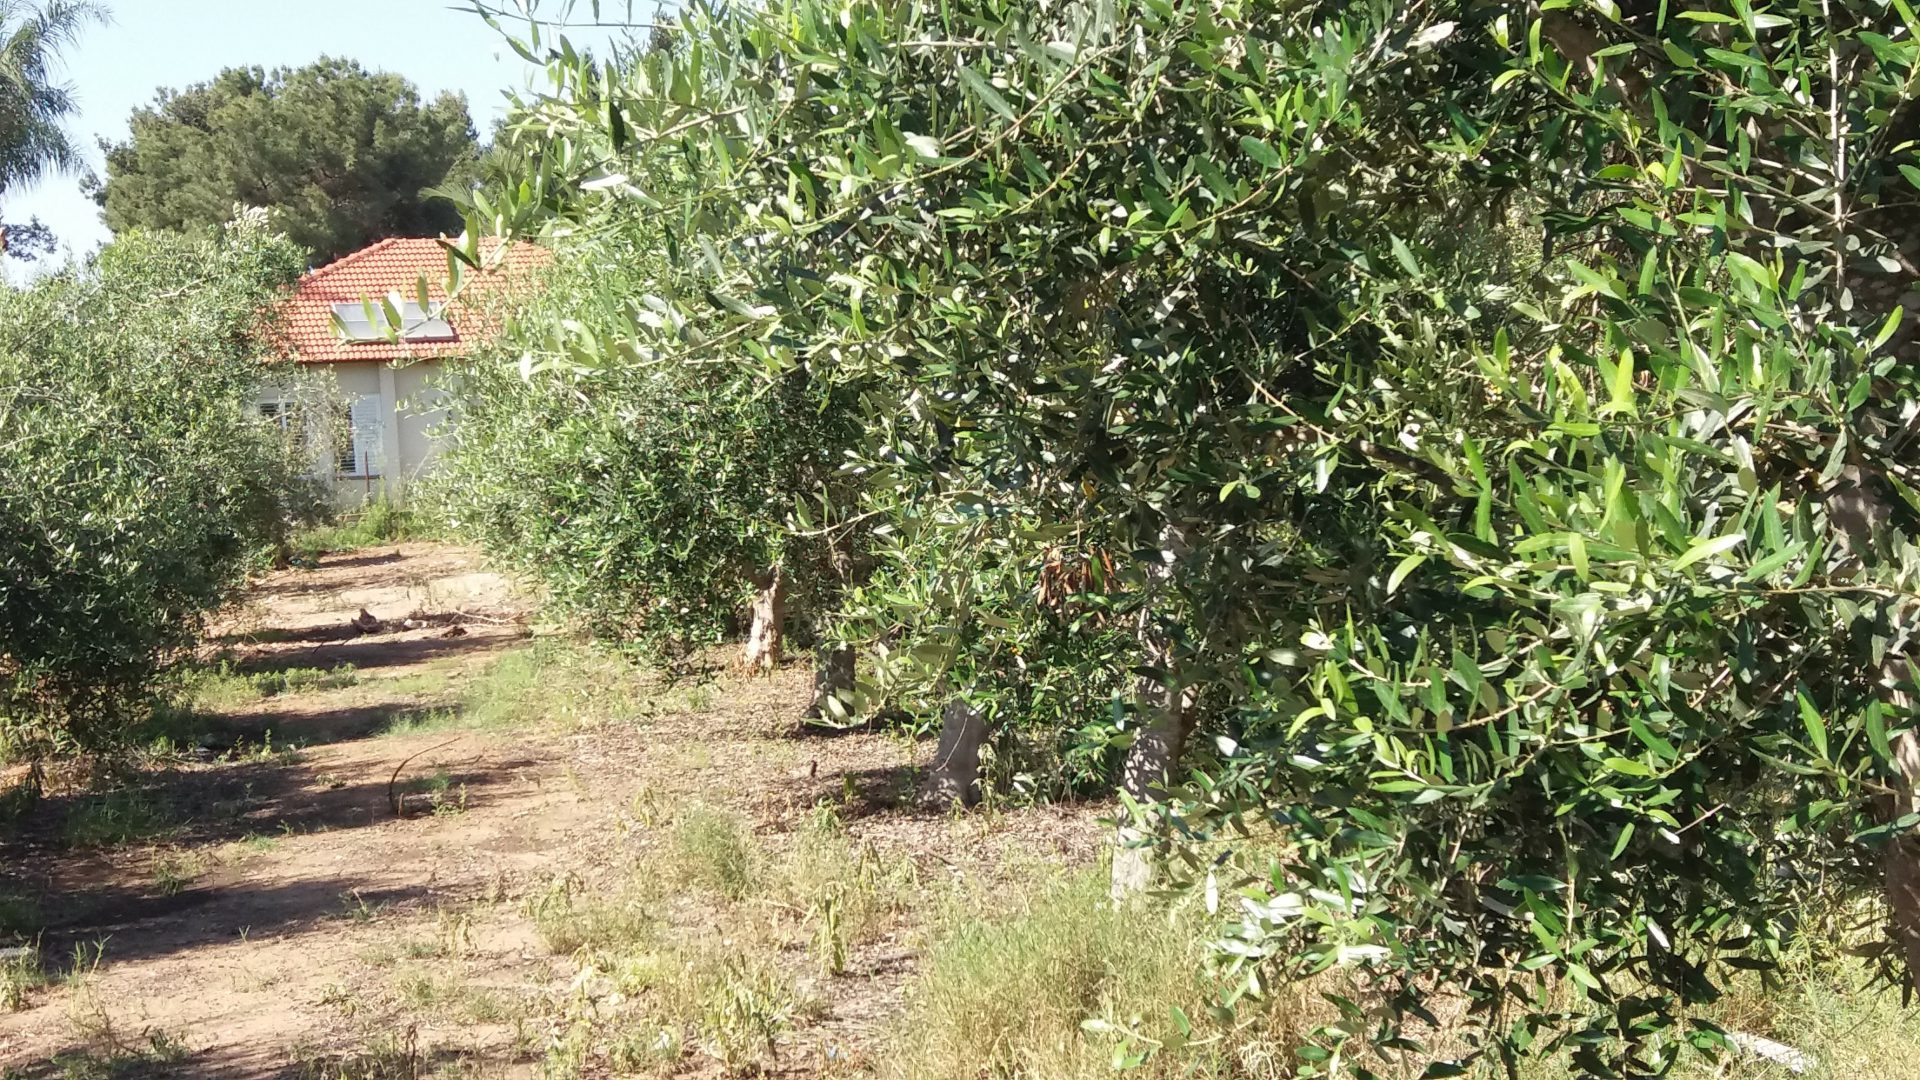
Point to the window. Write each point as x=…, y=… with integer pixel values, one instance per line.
x=357, y=430
x=288, y=417
x=416, y=323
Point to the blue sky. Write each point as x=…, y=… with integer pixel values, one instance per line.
x=174, y=43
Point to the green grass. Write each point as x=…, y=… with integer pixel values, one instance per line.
x=449, y=996
x=197, y=704
x=712, y=850
x=1057, y=986
x=122, y=816
x=550, y=682
x=380, y=522
x=223, y=688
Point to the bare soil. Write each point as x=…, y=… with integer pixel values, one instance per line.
x=253, y=936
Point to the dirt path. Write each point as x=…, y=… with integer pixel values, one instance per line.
x=255, y=911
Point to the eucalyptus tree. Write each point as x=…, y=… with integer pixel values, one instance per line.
x=1489, y=414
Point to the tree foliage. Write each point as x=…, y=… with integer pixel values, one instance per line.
x=146, y=480
x=649, y=499
x=1488, y=413
x=343, y=155
x=33, y=104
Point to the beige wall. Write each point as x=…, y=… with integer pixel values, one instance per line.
x=404, y=410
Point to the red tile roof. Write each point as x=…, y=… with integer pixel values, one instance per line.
x=305, y=330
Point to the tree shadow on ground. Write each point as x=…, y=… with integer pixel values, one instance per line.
x=83, y=899
x=122, y=924
x=149, y=1054
x=374, y=651
x=884, y=789
x=360, y=558
x=213, y=736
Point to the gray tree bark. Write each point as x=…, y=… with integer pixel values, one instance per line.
x=955, y=776
x=832, y=679
x=769, y=621
x=1900, y=864
x=1165, y=713
x=1858, y=512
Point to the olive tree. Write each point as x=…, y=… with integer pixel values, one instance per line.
x=1494, y=408
x=145, y=478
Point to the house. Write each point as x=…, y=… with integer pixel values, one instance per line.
x=383, y=399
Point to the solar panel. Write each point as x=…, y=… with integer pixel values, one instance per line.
x=416, y=323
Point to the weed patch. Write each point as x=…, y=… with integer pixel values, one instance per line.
x=550, y=682
x=1066, y=986
x=841, y=893
x=712, y=850
x=380, y=522
x=21, y=973
x=223, y=688
x=567, y=922
x=121, y=816
x=173, y=871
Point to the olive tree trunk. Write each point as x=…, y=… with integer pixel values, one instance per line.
x=832, y=682
x=1165, y=714
x=1858, y=511
x=1900, y=863
x=769, y=620
x=955, y=775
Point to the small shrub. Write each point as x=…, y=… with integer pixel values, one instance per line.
x=20, y=974
x=745, y=1008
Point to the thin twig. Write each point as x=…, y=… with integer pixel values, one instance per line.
x=393, y=781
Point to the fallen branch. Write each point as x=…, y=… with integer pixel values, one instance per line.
x=1794, y=1061
x=394, y=799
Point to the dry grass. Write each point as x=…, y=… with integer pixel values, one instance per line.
x=1065, y=986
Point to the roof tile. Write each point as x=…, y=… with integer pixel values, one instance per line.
x=305, y=330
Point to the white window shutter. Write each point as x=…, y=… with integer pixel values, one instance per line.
x=367, y=424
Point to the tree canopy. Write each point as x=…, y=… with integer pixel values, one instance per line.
x=1482, y=422
x=343, y=155
x=127, y=394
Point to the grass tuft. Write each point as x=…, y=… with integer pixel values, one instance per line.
x=1066, y=986
x=112, y=818
x=21, y=973
x=712, y=850
x=380, y=522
